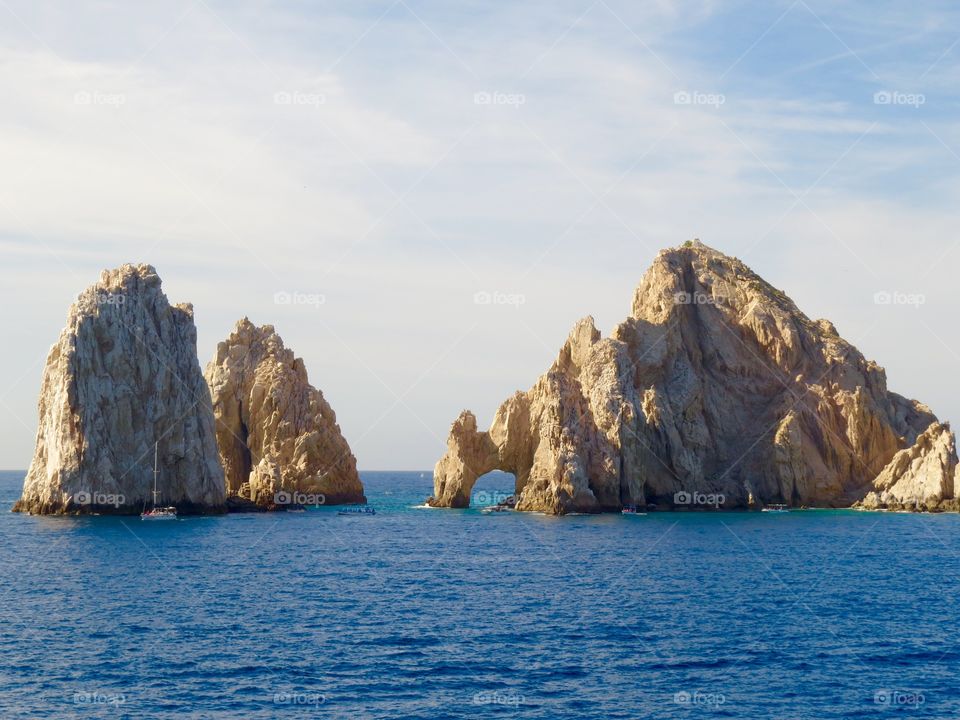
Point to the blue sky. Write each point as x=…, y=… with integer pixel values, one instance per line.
x=396, y=158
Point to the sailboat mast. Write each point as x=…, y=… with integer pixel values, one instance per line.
x=156, y=471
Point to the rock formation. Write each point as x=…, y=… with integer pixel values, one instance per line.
x=716, y=390
x=922, y=476
x=278, y=437
x=124, y=375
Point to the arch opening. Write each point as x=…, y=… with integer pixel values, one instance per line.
x=496, y=487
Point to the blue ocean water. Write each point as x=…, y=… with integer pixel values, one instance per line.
x=420, y=613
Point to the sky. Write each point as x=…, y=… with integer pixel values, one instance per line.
x=365, y=175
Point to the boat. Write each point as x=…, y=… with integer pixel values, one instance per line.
x=494, y=509
x=366, y=510
x=776, y=508
x=157, y=513
x=631, y=510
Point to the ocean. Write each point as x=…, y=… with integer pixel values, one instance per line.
x=423, y=613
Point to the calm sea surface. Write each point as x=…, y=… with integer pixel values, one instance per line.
x=419, y=613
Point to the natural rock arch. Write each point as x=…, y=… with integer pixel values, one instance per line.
x=716, y=384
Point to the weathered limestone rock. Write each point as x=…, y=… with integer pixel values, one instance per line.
x=124, y=375
x=716, y=385
x=278, y=438
x=919, y=477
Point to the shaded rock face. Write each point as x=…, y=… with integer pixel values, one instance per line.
x=716, y=385
x=123, y=375
x=278, y=437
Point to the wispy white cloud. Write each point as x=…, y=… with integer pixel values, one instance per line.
x=399, y=158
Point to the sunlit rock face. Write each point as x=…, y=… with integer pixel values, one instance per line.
x=122, y=377
x=278, y=437
x=716, y=385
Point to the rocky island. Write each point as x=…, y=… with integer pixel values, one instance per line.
x=278, y=437
x=122, y=377
x=717, y=388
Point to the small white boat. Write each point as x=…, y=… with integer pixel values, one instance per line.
x=365, y=510
x=494, y=509
x=776, y=508
x=157, y=513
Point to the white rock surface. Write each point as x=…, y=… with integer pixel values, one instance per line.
x=123, y=375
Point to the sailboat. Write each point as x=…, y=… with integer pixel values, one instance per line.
x=157, y=513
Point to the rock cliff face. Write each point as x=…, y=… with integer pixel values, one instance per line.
x=278, y=437
x=124, y=375
x=716, y=390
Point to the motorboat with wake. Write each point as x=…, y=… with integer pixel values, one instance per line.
x=776, y=508
x=508, y=503
x=365, y=510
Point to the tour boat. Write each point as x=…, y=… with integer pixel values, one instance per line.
x=631, y=510
x=366, y=510
x=494, y=509
x=157, y=513
x=777, y=508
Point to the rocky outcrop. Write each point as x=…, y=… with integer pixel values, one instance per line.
x=922, y=476
x=123, y=376
x=278, y=437
x=716, y=390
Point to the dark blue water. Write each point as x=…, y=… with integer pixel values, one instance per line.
x=420, y=613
